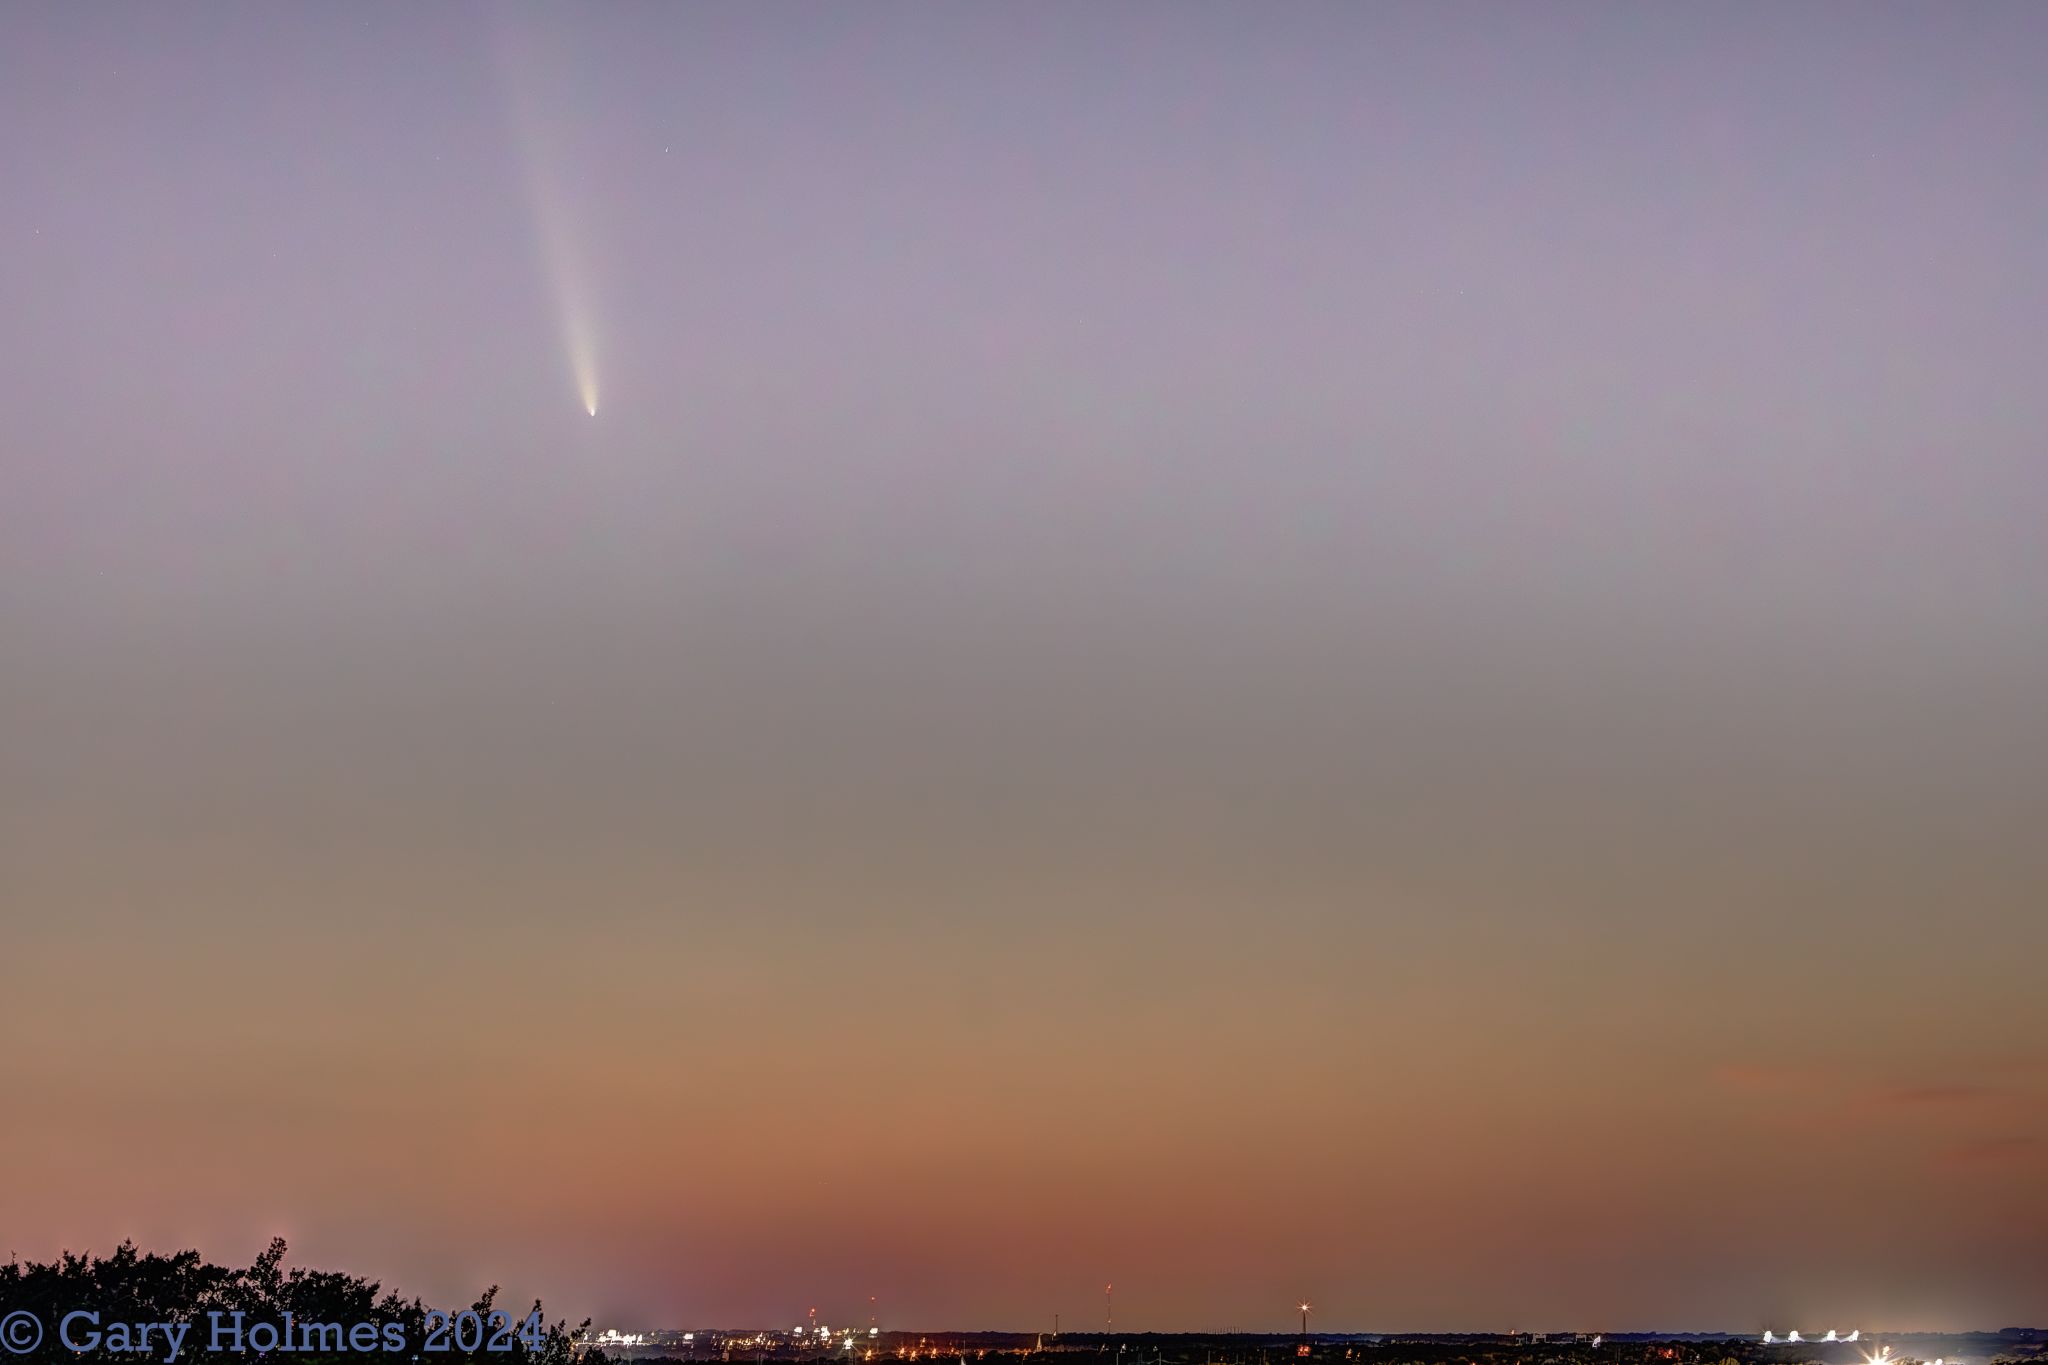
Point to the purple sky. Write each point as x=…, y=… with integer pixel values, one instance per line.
x=1391, y=652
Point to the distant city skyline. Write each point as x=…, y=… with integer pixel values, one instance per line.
x=654, y=1340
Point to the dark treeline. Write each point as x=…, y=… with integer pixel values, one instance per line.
x=129, y=1287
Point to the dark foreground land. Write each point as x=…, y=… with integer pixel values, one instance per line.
x=137, y=1287
x=2010, y=1347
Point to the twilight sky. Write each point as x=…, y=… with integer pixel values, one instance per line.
x=1386, y=652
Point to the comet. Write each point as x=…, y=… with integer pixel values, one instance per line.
x=564, y=263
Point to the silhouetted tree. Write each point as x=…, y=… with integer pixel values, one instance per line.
x=132, y=1287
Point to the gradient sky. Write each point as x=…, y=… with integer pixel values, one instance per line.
x=1396, y=653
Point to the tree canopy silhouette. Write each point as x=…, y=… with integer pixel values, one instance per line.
x=137, y=1287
